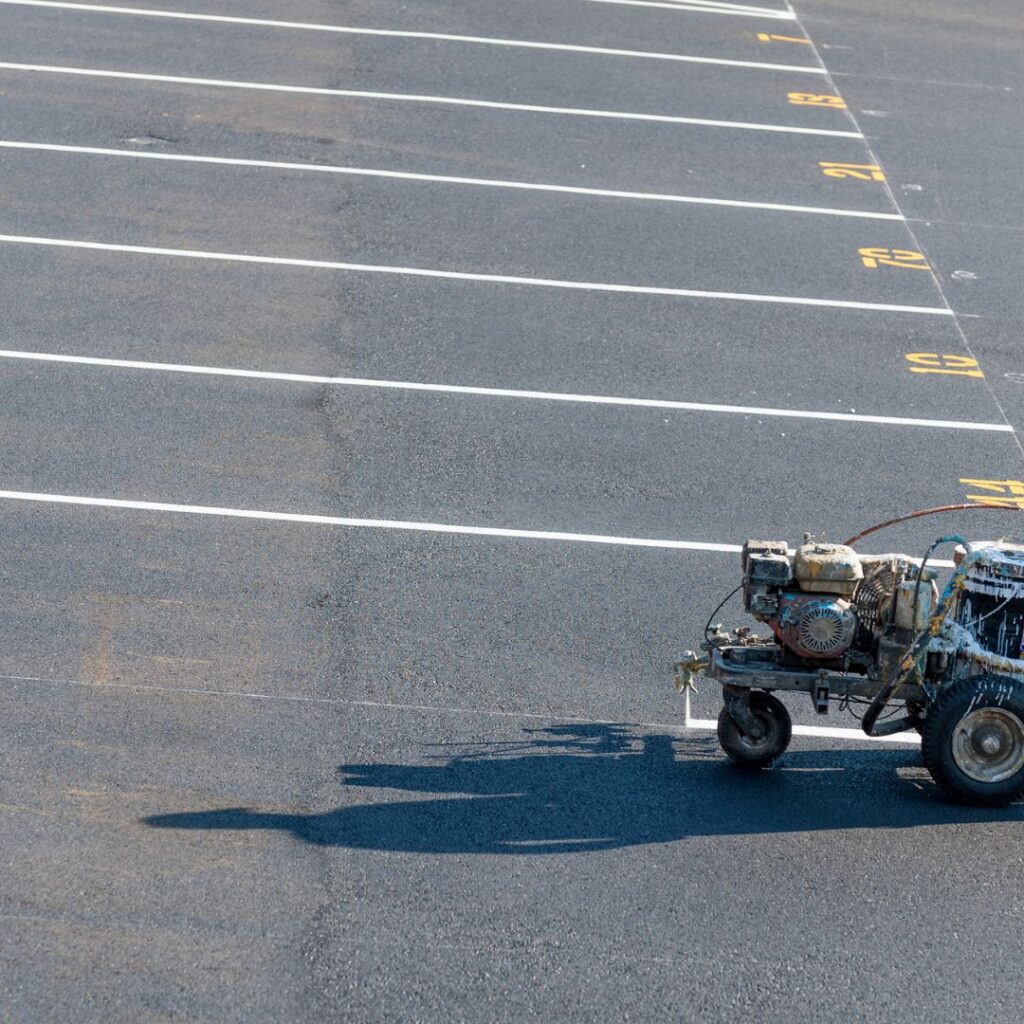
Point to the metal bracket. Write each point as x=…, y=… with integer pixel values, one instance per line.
x=820, y=697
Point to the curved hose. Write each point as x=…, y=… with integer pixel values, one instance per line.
x=925, y=512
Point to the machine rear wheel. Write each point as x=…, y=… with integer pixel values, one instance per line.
x=973, y=740
x=747, y=751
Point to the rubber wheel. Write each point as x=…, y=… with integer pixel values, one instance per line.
x=973, y=740
x=748, y=752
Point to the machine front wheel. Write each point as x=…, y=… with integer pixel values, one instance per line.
x=748, y=751
x=973, y=740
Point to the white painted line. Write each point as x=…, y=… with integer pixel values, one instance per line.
x=819, y=731
x=443, y=179
x=385, y=524
x=451, y=101
x=375, y=524
x=724, y=5
x=822, y=732
x=435, y=36
x=707, y=8
x=459, y=389
x=453, y=275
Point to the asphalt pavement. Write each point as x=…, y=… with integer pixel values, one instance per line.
x=387, y=387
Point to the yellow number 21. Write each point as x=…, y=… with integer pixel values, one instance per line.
x=861, y=172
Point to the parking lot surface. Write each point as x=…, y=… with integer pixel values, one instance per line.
x=388, y=388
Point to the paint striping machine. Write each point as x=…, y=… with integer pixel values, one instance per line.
x=873, y=631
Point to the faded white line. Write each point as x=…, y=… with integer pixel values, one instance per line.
x=460, y=389
x=288, y=698
x=738, y=10
x=819, y=731
x=692, y=724
x=368, y=172
x=618, y=115
x=444, y=37
x=453, y=275
x=376, y=524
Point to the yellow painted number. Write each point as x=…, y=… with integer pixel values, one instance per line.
x=812, y=99
x=932, y=362
x=1000, y=492
x=906, y=258
x=861, y=172
x=767, y=37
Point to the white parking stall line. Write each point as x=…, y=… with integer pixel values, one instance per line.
x=486, y=392
x=818, y=731
x=316, y=519
x=444, y=37
x=444, y=179
x=451, y=101
x=738, y=10
x=375, y=524
x=458, y=275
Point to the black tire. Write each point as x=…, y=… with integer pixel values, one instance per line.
x=744, y=750
x=973, y=740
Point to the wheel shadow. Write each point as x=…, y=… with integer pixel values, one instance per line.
x=583, y=788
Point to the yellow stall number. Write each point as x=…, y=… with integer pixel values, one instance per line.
x=1000, y=492
x=932, y=362
x=859, y=172
x=812, y=99
x=905, y=258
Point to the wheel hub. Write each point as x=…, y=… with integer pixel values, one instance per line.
x=766, y=740
x=988, y=744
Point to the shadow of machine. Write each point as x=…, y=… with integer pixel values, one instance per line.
x=583, y=787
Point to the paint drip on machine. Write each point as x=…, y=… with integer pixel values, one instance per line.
x=991, y=603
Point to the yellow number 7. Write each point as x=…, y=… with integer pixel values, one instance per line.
x=769, y=37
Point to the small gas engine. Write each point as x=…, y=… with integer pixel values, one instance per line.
x=873, y=630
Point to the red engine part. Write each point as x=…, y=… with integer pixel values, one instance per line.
x=815, y=625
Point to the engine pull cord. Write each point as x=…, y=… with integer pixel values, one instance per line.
x=926, y=512
x=910, y=660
